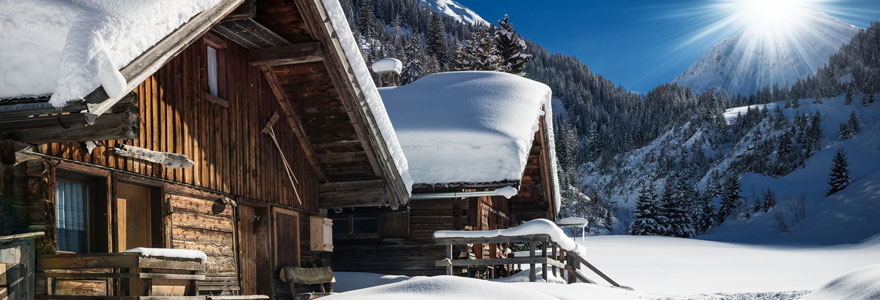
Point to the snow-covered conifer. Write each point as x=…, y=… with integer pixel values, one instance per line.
x=731, y=198
x=646, y=214
x=511, y=47
x=769, y=200
x=838, y=179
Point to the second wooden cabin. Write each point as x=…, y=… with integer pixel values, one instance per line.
x=479, y=146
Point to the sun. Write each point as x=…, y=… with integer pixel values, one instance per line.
x=770, y=18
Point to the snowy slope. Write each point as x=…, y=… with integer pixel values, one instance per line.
x=455, y=10
x=849, y=216
x=741, y=64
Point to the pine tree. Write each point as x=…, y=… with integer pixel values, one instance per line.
x=674, y=209
x=646, y=214
x=795, y=103
x=479, y=53
x=511, y=47
x=730, y=198
x=769, y=200
x=414, y=68
x=367, y=19
x=854, y=123
x=436, y=37
x=845, y=132
x=838, y=179
x=850, y=91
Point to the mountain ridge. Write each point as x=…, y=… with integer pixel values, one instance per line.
x=744, y=64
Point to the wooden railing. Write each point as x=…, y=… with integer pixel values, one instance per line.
x=566, y=263
x=17, y=264
x=124, y=275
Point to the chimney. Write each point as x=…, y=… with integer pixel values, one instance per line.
x=388, y=70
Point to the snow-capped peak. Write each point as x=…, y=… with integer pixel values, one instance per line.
x=455, y=10
x=746, y=63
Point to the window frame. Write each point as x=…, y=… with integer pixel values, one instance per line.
x=219, y=46
x=96, y=207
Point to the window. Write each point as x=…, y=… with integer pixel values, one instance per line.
x=71, y=216
x=367, y=223
x=216, y=56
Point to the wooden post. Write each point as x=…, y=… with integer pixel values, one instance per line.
x=570, y=261
x=544, y=264
x=532, y=276
x=449, y=257
x=555, y=257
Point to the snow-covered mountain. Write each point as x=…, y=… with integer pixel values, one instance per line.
x=706, y=150
x=745, y=64
x=455, y=10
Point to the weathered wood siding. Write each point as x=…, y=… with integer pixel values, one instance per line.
x=231, y=155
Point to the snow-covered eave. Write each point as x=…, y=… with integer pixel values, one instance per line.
x=345, y=49
x=149, y=62
x=139, y=69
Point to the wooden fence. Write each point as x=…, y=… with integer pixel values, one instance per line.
x=559, y=261
x=17, y=265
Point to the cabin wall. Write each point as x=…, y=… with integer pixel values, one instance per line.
x=414, y=253
x=235, y=165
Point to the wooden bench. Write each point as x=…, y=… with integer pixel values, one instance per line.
x=309, y=276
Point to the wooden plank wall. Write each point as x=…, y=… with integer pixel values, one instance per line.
x=230, y=153
x=205, y=225
x=415, y=254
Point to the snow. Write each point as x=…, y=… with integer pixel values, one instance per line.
x=456, y=11
x=450, y=287
x=507, y=191
x=537, y=226
x=70, y=48
x=861, y=284
x=573, y=221
x=741, y=65
x=470, y=127
x=166, y=252
x=349, y=281
x=849, y=216
x=388, y=65
x=668, y=268
x=368, y=87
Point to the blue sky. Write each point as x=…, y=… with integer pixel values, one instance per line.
x=636, y=43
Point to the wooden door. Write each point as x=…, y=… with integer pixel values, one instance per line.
x=133, y=216
x=285, y=231
x=253, y=233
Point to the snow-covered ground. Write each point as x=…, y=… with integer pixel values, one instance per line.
x=663, y=268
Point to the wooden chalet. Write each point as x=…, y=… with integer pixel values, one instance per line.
x=388, y=241
x=241, y=128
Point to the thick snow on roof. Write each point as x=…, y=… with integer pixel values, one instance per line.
x=365, y=80
x=387, y=64
x=472, y=127
x=70, y=48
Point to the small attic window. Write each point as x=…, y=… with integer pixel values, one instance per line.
x=216, y=56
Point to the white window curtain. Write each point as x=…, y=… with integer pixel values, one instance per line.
x=71, y=227
x=212, y=71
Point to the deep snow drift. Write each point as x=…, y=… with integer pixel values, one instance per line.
x=664, y=268
x=69, y=48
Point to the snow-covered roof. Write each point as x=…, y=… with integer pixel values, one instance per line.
x=387, y=65
x=469, y=127
x=70, y=48
x=365, y=81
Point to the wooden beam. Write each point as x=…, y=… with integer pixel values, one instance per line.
x=286, y=55
x=118, y=126
x=341, y=73
x=247, y=10
x=294, y=122
x=161, y=53
x=350, y=185
x=353, y=198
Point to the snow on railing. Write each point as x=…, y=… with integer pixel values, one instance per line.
x=533, y=227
